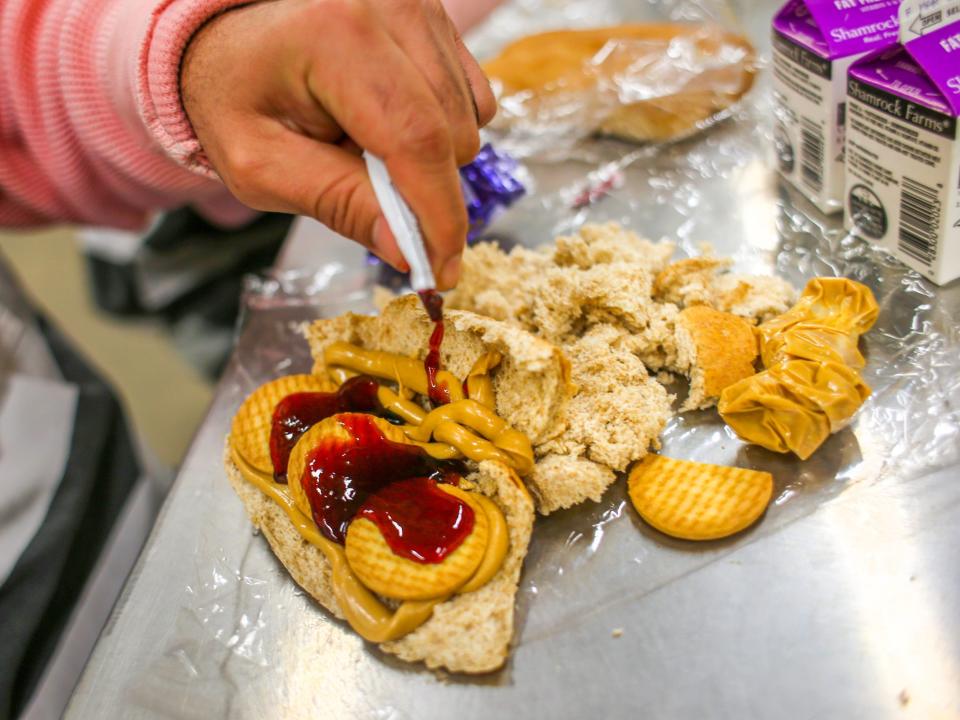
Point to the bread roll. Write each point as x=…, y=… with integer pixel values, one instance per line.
x=648, y=82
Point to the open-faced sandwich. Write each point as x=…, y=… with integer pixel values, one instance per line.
x=399, y=480
x=405, y=515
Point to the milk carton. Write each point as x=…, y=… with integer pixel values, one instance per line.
x=814, y=42
x=903, y=153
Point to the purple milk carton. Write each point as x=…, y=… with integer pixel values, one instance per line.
x=814, y=42
x=903, y=153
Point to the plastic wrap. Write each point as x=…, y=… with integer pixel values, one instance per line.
x=642, y=83
x=555, y=96
x=248, y=644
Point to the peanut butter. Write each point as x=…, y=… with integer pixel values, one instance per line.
x=406, y=372
x=450, y=423
x=479, y=382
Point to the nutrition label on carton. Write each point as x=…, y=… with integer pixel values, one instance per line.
x=901, y=174
x=808, y=132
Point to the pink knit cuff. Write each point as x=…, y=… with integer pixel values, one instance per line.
x=172, y=24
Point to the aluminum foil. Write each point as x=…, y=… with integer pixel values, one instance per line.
x=248, y=644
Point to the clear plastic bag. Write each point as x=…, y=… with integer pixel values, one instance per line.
x=675, y=73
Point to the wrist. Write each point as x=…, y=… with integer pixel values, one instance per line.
x=174, y=25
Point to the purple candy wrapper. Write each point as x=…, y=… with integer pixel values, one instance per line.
x=489, y=186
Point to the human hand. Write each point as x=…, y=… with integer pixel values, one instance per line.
x=284, y=94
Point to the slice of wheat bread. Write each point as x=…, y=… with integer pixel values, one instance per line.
x=469, y=633
x=531, y=384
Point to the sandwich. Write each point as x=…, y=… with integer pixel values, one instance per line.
x=406, y=517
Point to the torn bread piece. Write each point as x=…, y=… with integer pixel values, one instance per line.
x=706, y=280
x=715, y=350
x=590, y=293
x=530, y=385
x=470, y=632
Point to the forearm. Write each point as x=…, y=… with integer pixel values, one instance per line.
x=89, y=128
x=92, y=124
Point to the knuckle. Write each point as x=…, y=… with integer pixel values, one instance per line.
x=428, y=138
x=486, y=102
x=240, y=171
x=240, y=163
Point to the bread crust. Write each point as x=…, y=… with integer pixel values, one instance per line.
x=716, y=349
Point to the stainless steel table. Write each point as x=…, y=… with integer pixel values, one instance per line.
x=844, y=602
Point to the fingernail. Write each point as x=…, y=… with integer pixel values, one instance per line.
x=450, y=274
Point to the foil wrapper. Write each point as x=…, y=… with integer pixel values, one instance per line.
x=490, y=185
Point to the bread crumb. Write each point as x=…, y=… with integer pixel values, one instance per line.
x=706, y=281
x=617, y=632
x=904, y=697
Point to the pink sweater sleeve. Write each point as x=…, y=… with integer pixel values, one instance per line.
x=91, y=125
x=92, y=129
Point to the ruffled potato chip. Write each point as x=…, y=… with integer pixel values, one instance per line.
x=250, y=432
x=697, y=501
x=399, y=578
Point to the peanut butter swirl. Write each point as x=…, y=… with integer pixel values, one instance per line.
x=469, y=425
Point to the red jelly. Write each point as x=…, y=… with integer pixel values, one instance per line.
x=433, y=304
x=342, y=474
x=297, y=413
x=418, y=520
